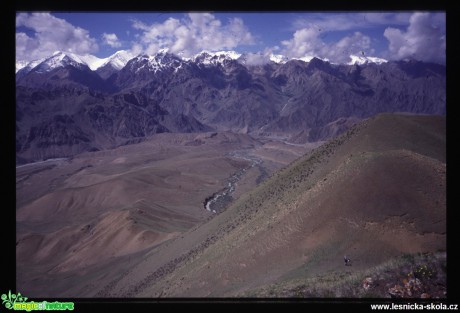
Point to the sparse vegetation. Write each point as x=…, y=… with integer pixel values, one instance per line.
x=396, y=275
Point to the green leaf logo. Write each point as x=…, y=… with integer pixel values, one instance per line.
x=8, y=300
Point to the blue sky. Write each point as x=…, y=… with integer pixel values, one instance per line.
x=332, y=36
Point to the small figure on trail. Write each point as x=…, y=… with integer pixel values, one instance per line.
x=347, y=261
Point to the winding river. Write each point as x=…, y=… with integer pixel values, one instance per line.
x=219, y=200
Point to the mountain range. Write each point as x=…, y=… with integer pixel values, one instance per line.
x=67, y=104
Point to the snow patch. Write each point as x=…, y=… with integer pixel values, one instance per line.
x=357, y=59
x=278, y=58
x=161, y=60
x=215, y=58
x=59, y=59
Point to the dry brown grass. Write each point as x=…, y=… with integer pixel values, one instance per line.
x=374, y=282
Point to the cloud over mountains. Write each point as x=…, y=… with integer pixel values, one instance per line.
x=45, y=38
x=331, y=36
x=424, y=39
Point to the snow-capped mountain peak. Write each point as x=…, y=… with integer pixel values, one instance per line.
x=308, y=58
x=358, y=59
x=215, y=58
x=119, y=59
x=92, y=61
x=21, y=64
x=228, y=54
x=60, y=59
x=157, y=62
x=57, y=59
x=278, y=58
x=27, y=66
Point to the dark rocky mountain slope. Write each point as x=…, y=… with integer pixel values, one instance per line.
x=70, y=109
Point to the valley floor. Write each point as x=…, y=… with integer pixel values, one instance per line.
x=80, y=215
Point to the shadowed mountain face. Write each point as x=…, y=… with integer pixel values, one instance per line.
x=374, y=193
x=163, y=93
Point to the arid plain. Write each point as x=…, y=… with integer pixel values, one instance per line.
x=100, y=208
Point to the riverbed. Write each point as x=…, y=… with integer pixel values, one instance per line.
x=218, y=201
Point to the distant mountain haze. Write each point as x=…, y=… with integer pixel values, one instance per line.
x=68, y=104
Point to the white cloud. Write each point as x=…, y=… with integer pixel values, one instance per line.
x=111, y=40
x=327, y=22
x=258, y=58
x=353, y=44
x=349, y=21
x=49, y=35
x=306, y=43
x=386, y=18
x=194, y=33
x=136, y=49
x=424, y=38
x=139, y=25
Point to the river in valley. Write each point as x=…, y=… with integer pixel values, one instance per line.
x=217, y=202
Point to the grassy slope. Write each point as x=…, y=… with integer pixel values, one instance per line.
x=374, y=193
x=374, y=282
